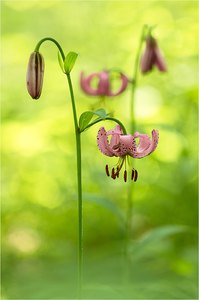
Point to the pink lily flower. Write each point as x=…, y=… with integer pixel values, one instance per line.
x=123, y=146
x=152, y=56
x=103, y=87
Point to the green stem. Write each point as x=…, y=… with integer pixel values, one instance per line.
x=52, y=40
x=79, y=167
x=129, y=211
x=110, y=119
x=79, y=183
x=135, y=79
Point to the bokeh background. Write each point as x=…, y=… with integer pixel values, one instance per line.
x=39, y=208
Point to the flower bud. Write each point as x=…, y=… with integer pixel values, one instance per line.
x=35, y=73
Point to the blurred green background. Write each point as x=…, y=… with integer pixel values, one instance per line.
x=39, y=208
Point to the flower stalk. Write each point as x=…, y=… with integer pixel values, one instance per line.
x=129, y=209
x=68, y=67
x=135, y=79
x=79, y=184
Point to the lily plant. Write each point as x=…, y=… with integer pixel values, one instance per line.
x=34, y=82
x=112, y=143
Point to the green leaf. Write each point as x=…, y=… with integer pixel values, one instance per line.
x=106, y=204
x=162, y=232
x=155, y=237
x=70, y=61
x=84, y=119
x=61, y=62
x=87, y=116
x=101, y=113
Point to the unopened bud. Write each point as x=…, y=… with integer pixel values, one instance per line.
x=35, y=73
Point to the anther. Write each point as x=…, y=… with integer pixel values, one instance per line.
x=118, y=172
x=113, y=175
x=136, y=175
x=107, y=171
x=132, y=174
x=125, y=176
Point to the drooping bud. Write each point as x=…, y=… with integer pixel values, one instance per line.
x=35, y=73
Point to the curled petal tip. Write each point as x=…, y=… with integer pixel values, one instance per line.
x=145, y=145
x=103, y=144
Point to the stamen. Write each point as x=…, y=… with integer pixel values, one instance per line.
x=107, y=171
x=136, y=175
x=132, y=174
x=125, y=176
x=118, y=172
x=113, y=175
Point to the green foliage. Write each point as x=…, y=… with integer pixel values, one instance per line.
x=86, y=117
x=39, y=207
x=70, y=61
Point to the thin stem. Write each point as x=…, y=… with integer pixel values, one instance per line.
x=79, y=167
x=79, y=183
x=110, y=119
x=129, y=211
x=135, y=79
x=52, y=40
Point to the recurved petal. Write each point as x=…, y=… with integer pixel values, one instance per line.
x=115, y=135
x=85, y=83
x=103, y=85
x=124, y=83
x=145, y=145
x=116, y=130
x=103, y=144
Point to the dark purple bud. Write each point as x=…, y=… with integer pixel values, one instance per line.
x=35, y=73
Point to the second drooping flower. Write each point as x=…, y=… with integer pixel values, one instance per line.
x=136, y=146
x=152, y=56
x=100, y=84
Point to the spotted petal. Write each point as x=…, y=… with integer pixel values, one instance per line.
x=145, y=145
x=126, y=145
x=103, y=144
x=115, y=135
